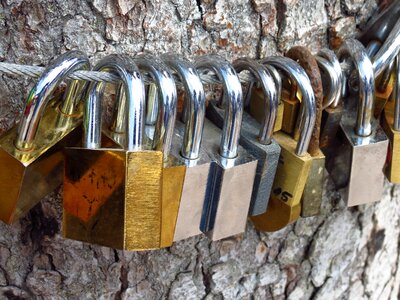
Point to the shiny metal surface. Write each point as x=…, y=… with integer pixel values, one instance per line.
x=396, y=95
x=380, y=25
x=126, y=69
x=195, y=104
x=388, y=51
x=335, y=95
x=356, y=51
x=41, y=92
x=119, y=112
x=232, y=99
x=298, y=75
x=270, y=95
x=167, y=100
x=230, y=188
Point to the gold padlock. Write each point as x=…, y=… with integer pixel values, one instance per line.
x=384, y=88
x=113, y=196
x=255, y=101
x=30, y=153
x=174, y=169
x=294, y=163
x=391, y=126
x=312, y=194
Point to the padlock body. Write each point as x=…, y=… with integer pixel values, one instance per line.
x=312, y=194
x=113, y=197
x=267, y=157
x=231, y=182
x=257, y=108
x=284, y=206
x=174, y=172
x=330, y=123
x=28, y=176
x=357, y=166
x=194, y=187
x=290, y=112
x=392, y=167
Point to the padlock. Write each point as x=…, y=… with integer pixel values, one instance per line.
x=360, y=157
x=113, y=196
x=294, y=163
x=333, y=106
x=391, y=125
x=383, y=89
x=174, y=168
x=187, y=146
x=227, y=201
x=255, y=100
x=30, y=153
x=312, y=194
x=255, y=138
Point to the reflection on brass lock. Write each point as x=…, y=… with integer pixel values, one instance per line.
x=112, y=196
x=227, y=201
x=391, y=125
x=312, y=194
x=360, y=157
x=31, y=154
x=257, y=138
x=294, y=163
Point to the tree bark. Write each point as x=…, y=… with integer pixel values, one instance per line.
x=343, y=253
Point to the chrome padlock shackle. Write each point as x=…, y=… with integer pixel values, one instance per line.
x=388, y=51
x=308, y=106
x=234, y=101
x=271, y=101
x=357, y=53
x=380, y=25
x=124, y=67
x=39, y=96
x=167, y=100
x=336, y=74
x=195, y=103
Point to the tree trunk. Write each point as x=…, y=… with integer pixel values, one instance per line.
x=343, y=253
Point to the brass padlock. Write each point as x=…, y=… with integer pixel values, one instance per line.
x=257, y=138
x=30, y=153
x=188, y=147
x=333, y=106
x=360, y=157
x=113, y=196
x=383, y=89
x=312, y=194
x=227, y=201
x=294, y=164
x=174, y=169
x=255, y=100
x=391, y=125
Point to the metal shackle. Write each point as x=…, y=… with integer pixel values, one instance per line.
x=299, y=76
x=396, y=94
x=233, y=97
x=327, y=60
x=267, y=83
x=195, y=103
x=39, y=95
x=356, y=52
x=388, y=51
x=380, y=25
x=125, y=68
x=277, y=79
x=167, y=100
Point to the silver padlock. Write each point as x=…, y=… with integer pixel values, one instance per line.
x=257, y=138
x=188, y=147
x=357, y=166
x=227, y=202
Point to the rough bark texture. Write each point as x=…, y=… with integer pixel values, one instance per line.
x=344, y=253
